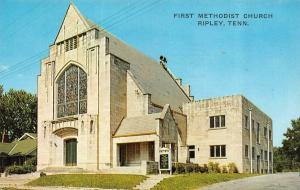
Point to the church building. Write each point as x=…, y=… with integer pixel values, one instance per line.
x=105, y=106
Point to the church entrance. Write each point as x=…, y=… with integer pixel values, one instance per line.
x=131, y=154
x=71, y=152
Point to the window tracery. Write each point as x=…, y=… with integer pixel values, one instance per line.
x=72, y=92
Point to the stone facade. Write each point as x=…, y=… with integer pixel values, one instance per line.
x=104, y=106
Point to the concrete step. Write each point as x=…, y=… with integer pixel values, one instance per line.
x=63, y=170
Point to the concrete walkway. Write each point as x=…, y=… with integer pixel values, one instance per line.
x=151, y=181
x=17, y=180
x=280, y=181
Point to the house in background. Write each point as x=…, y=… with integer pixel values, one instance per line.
x=104, y=106
x=18, y=151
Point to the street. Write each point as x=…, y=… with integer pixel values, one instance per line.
x=280, y=181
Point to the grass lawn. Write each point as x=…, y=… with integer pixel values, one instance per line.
x=10, y=188
x=194, y=181
x=106, y=181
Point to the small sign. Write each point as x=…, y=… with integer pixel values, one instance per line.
x=165, y=162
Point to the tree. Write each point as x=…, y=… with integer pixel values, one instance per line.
x=281, y=162
x=1, y=90
x=18, y=113
x=287, y=157
x=291, y=143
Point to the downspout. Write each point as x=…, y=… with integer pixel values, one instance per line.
x=98, y=74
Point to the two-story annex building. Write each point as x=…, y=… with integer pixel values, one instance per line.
x=102, y=105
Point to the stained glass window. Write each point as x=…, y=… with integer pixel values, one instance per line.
x=72, y=92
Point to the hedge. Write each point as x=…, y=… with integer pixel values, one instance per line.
x=211, y=167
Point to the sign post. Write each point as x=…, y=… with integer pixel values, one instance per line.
x=165, y=161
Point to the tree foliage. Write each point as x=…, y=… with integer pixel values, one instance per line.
x=18, y=113
x=291, y=143
x=287, y=157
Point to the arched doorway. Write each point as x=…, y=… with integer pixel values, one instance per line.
x=71, y=152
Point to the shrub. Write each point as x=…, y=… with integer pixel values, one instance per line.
x=31, y=161
x=179, y=168
x=204, y=169
x=189, y=168
x=213, y=167
x=232, y=168
x=29, y=168
x=197, y=169
x=20, y=169
x=15, y=170
x=224, y=169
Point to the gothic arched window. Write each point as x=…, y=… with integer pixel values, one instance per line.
x=72, y=92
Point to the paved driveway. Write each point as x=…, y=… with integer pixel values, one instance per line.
x=281, y=181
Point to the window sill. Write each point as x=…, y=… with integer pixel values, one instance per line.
x=217, y=128
x=217, y=158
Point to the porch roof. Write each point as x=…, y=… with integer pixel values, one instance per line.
x=5, y=148
x=140, y=125
x=23, y=147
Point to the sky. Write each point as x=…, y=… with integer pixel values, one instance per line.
x=260, y=61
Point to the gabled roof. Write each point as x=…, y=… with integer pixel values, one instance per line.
x=152, y=77
x=23, y=147
x=139, y=125
x=70, y=17
x=159, y=83
x=28, y=135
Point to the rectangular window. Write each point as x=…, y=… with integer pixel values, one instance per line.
x=257, y=133
x=192, y=151
x=66, y=45
x=96, y=34
x=246, y=122
x=223, y=151
x=265, y=132
x=217, y=121
x=211, y=122
x=246, y=151
x=252, y=124
x=266, y=155
x=71, y=43
x=270, y=134
x=222, y=120
x=270, y=156
x=218, y=151
x=261, y=153
x=212, y=151
x=253, y=153
x=75, y=42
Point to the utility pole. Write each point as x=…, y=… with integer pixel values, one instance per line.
x=268, y=126
x=251, y=160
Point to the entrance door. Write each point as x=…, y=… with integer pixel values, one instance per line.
x=71, y=152
x=122, y=154
x=258, y=164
